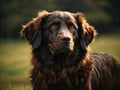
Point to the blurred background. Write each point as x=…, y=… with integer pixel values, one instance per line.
x=15, y=63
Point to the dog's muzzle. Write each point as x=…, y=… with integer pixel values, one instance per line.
x=63, y=42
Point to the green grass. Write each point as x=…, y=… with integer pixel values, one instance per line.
x=109, y=44
x=15, y=60
x=14, y=65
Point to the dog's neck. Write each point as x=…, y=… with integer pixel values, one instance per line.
x=60, y=67
x=49, y=58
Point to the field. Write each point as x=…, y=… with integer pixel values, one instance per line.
x=15, y=60
x=14, y=65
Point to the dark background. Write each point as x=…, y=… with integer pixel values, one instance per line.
x=104, y=15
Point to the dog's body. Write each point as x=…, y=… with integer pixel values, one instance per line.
x=106, y=72
x=61, y=59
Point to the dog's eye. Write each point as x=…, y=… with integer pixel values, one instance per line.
x=71, y=27
x=54, y=26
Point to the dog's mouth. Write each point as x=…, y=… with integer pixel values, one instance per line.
x=62, y=47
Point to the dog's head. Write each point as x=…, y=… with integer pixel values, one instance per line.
x=59, y=30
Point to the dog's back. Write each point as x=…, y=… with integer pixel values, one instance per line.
x=106, y=72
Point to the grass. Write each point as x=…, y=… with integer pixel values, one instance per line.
x=109, y=44
x=14, y=65
x=15, y=60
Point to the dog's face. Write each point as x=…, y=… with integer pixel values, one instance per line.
x=59, y=30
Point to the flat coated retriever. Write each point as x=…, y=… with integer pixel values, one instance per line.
x=60, y=54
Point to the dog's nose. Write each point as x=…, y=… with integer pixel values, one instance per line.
x=66, y=39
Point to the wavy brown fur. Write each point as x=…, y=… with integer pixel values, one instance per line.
x=74, y=68
x=58, y=72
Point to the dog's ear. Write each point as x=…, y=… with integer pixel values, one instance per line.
x=32, y=30
x=86, y=32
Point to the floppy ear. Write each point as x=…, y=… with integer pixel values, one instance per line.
x=86, y=32
x=32, y=30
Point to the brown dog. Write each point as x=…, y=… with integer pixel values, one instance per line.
x=61, y=59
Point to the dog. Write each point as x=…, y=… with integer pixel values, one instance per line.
x=61, y=57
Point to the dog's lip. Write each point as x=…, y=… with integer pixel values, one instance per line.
x=64, y=49
x=66, y=44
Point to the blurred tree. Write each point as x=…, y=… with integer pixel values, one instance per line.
x=14, y=13
x=114, y=11
x=103, y=14
x=111, y=8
